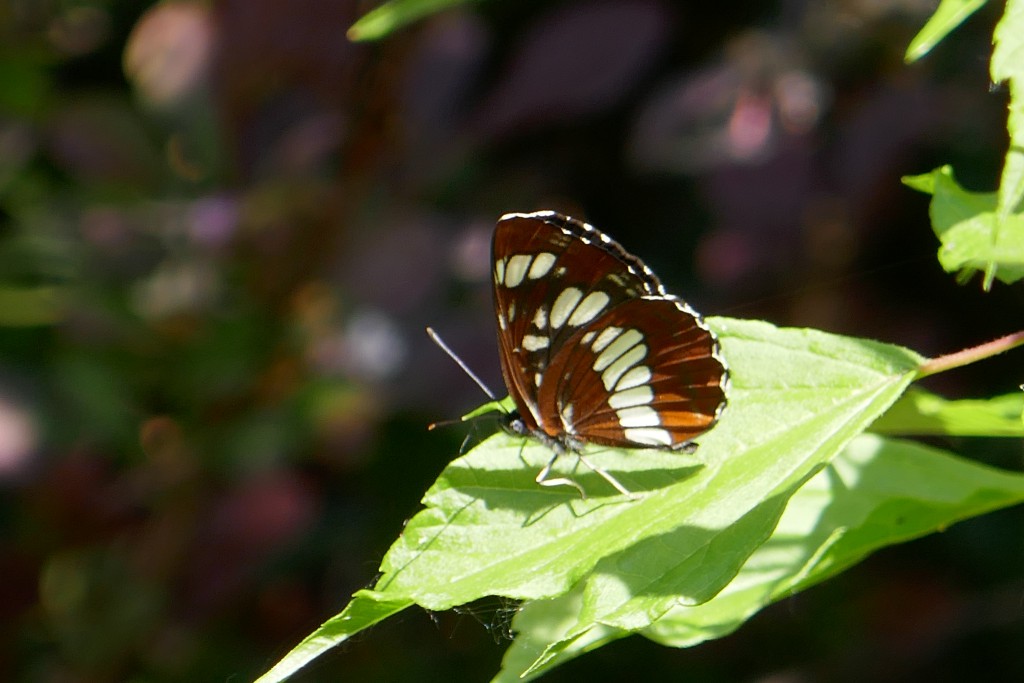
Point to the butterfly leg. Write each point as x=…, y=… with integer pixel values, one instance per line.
x=542, y=478
x=607, y=477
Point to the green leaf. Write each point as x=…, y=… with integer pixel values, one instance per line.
x=365, y=609
x=948, y=15
x=395, y=14
x=990, y=238
x=877, y=492
x=503, y=406
x=966, y=225
x=1008, y=66
x=797, y=395
x=797, y=398
x=542, y=622
x=924, y=414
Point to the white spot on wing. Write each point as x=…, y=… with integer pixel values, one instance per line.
x=566, y=415
x=516, y=269
x=648, y=435
x=540, y=318
x=622, y=343
x=532, y=342
x=606, y=337
x=587, y=337
x=502, y=323
x=638, y=416
x=637, y=396
x=541, y=265
x=589, y=308
x=634, y=378
x=627, y=360
x=511, y=311
x=499, y=271
x=564, y=305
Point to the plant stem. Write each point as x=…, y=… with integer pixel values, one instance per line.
x=1003, y=344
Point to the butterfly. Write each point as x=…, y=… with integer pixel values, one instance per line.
x=593, y=350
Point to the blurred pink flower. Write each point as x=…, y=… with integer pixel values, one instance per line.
x=168, y=52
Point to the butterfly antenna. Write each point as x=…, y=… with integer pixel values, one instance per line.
x=442, y=423
x=465, y=368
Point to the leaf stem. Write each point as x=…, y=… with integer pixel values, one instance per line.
x=933, y=366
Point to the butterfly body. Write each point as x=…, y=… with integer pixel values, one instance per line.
x=593, y=350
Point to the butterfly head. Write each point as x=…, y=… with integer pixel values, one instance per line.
x=514, y=425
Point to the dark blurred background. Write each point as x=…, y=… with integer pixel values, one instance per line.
x=223, y=228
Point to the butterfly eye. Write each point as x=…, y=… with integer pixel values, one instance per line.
x=592, y=348
x=515, y=425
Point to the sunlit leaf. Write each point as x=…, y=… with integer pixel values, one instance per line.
x=948, y=15
x=877, y=492
x=366, y=609
x=1008, y=66
x=922, y=413
x=395, y=14
x=797, y=398
x=966, y=225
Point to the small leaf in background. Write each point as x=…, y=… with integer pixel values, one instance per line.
x=948, y=15
x=393, y=15
x=922, y=413
x=1008, y=67
x=965, y=223
x=989, y=239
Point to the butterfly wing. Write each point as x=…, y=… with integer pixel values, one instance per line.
x=647, y=373
x=552, y=276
